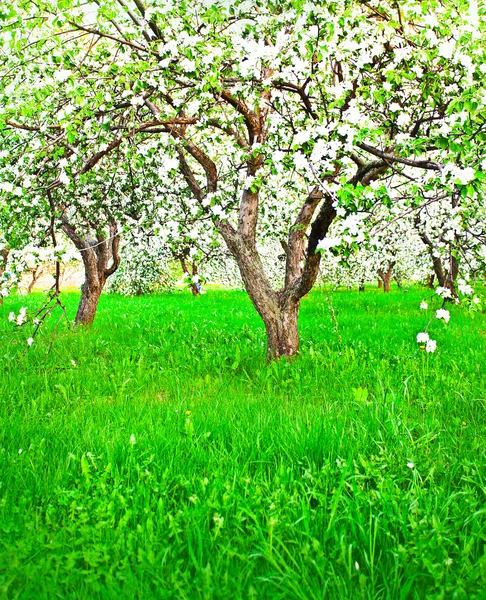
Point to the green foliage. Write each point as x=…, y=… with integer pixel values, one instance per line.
x=169, y=463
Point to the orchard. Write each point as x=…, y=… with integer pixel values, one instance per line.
x=242, y=270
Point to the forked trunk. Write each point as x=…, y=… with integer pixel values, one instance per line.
x=36, y=273
x=96, y=254
x=386, y=276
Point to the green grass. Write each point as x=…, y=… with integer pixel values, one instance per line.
x=287, y=480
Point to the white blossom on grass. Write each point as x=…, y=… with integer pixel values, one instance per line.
x=443, y=314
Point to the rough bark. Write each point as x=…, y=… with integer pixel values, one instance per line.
x=96, y=254
x=279, y=310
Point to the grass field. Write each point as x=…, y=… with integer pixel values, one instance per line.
x=172, y=462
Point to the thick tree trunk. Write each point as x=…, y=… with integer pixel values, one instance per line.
x=380, y=284
x=279, y=310
x=283, y=332
x=446, y=279
x=88, y=303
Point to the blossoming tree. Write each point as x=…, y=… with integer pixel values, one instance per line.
x=326, y=109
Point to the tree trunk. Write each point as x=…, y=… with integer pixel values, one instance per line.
x=386, y=276
x=279, y=310
x=96, y=254
x=4, y=252
x=194, y=286
x=283, y=332
x=445, y=279
x=36, y=273
x=380, y=284
x=361, y=287
x=430, y=282
x=88, y=303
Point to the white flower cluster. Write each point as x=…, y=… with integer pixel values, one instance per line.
x=443, y=292
x=443, y=314
x=19, y=319
x=423, y=338
x=464, y=287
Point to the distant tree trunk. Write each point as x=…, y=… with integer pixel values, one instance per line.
x=4, y=253
x=361, y=287
x=36, y=274
x=96, y=255
x=445, y=278
x=430, y=282
x=380, y=284
x=194, y=286
x=386, y=276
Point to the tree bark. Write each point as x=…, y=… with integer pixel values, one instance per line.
x=279, y=310
x=283, y=332
x=96, y=255
x=88, y=303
